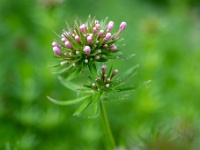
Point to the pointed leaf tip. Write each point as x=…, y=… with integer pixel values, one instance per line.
x=68, y=102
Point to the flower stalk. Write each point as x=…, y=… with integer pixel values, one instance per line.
x=106, y=125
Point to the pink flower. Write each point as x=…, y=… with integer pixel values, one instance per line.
x=77, y=38
x=108, y=36
x=67, y=44
x=101, y=32
x=82, y=28
x=110, y=26
x=122, y=26
x=87, y=50
x=56, y=50
x=89, y=39
x=55, y=44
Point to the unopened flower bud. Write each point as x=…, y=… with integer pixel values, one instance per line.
x=77, y=38
x=87, y=50
x=103, y=68
x=89, y=39
x=55, y=44
x=115, y=71
x=97, y=57
x=97, y=26
x=82, y=28
x=113, y=47
x=68, y=44
x=74, y=64
x=107, y=85
x=63, y=39
x=63, y=63
x=101, y=32
x=94, y=29
x=110, y=26
x=94, y=85
x=122, y=26
x=56, y=50
x=99, y=51
x=108, y=80
x=77, y=52
x=96, y=21
x=108, y=36
x=86, y=61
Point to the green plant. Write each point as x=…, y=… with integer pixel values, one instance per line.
x=80, y=51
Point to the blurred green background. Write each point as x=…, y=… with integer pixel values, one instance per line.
x=163, y=115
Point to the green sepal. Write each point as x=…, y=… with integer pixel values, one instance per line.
x=68, y=102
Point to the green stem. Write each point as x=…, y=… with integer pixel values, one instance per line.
x=106, y=125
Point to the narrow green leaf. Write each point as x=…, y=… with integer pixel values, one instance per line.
x=56, y=65
x=64, y=70
x=68, y=102
x=68, y=84
x=125, y=57
x=95, y=105
x=126, y=88
x=110, y=56
x=93, y=69
x=82, y=107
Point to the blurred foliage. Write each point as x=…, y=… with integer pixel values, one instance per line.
x=163, y=115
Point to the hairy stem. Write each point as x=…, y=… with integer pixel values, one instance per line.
x=107, y=129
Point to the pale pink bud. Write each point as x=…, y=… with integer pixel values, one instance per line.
x=94, y=85
x=108, y=80
x=63, y=63
x=74, y=64
x=63, y=39
x=101, y=32
x=62, y=35
x=96, y=21
x=56, y=50
x=77, y=38
x=87, y=50
x=105, y=45
x=113, y=47
x=89, y=39
x=115, y=71
x=122, y=26
x=97, y=26
x=94, y=29
x=68, y=44
x=111, y=22
x=86, y=61
x=103, y=68
x=108, y=36
x=110, y=26
x=55, y=44
x=82, y=28
x=107, y=85
x=97, y=57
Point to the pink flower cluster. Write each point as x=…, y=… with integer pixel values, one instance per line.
x=88, y=42
x=104, y=80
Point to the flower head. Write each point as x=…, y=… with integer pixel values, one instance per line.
x=87, y=43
